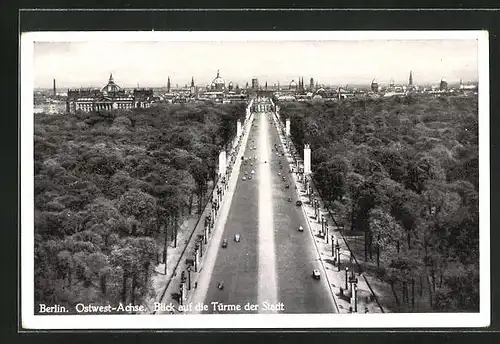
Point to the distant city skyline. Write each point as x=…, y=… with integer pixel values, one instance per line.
x=332, y=62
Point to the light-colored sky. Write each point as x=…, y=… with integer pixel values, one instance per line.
x=88, y=64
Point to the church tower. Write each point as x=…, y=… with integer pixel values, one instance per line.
x=410, y=79
x=192, y=88
x=168, y=85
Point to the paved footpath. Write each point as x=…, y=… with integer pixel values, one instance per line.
x=180, y=273
x=335, y=275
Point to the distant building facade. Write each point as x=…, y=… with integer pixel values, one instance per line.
x=217, y=92
x=109, y=97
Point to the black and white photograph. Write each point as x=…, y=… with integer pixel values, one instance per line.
x=300, y=179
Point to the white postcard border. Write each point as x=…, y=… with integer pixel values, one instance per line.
x=389, y=320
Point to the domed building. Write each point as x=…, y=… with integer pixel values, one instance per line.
x=218, y=84
x=293, y=85
x=109, y=97
x=111, y=87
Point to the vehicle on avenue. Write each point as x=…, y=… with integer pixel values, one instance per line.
x=244, y=178
x=249, y=177
x=287, y=186
x=224, y=243
x=289, y=199
x=237, y=237
x=298, y=203
x=220, y=285
x=252, y=172
x=316, y=274
x=279, y=173
x=301, y=229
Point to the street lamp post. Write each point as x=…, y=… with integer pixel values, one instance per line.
x=337, y=248
x=196, y=257
x=195, y=263
x=353, y=290
x=346, y=277
x=315, y=202
x=189, y=276
x=181, y=293
x=355, y=297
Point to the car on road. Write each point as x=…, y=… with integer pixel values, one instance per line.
x=316, y=274
x=252, y=172
x=224, y=243
x=237, y=237
x=249, y=177
x=298, y=203
x=244, y=178
x=301, y=229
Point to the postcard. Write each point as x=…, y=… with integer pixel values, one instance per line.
x=300, y=179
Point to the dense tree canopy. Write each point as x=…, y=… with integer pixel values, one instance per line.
x=107, y=183
x=403, y=170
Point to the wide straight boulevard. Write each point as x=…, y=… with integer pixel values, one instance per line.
x=270, y=268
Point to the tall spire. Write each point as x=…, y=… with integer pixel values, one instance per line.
x=217, y=73
x=111, y=78
x=192, y=81
x=168, y=85
x=410, y=79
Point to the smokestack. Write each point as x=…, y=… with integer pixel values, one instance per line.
x=54, y=87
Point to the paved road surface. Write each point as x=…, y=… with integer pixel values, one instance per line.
x=273, y=261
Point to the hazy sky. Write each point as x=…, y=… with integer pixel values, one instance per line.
x=88, y=64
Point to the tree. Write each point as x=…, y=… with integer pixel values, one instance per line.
x=140, y=208
x=387, y=231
